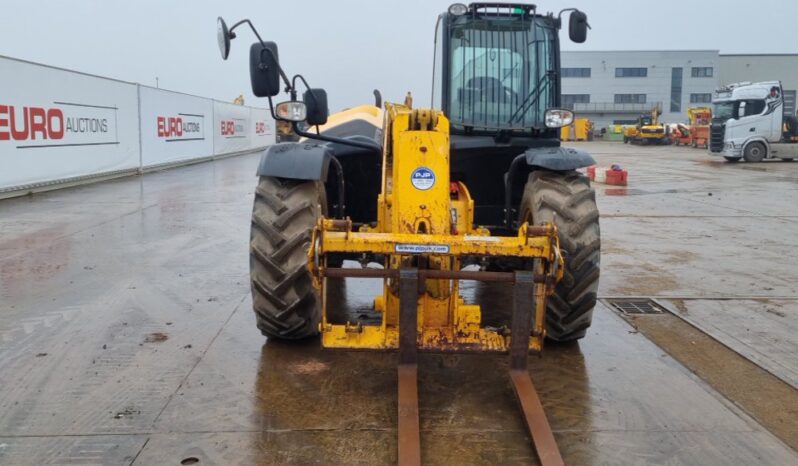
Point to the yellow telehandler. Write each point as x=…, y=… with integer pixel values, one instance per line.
x=476, y=188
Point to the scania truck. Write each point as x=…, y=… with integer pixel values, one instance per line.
x=748, y=122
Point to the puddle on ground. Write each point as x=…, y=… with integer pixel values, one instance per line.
x=754, y=167
x=745, y=165
x=156, y=337
x=616, y=192
x=716, y=163
x=635, y=191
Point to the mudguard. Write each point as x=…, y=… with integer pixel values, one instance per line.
x=296, y=160
x=558, y=158
x=755, y=139
x=309, y=160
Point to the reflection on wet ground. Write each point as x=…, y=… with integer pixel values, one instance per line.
x=126, y=336
x=612, y=399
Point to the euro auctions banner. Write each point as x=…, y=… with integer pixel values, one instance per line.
x=232, y=128
x=174, y=127
x=263, y=128
x=57, y=124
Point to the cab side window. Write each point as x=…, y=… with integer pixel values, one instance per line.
x=750, y=107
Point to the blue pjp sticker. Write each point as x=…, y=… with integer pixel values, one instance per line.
x=422, y=178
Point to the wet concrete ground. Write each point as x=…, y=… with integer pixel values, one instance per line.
x=126, y=334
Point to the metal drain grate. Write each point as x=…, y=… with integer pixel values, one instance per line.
x=636, y=306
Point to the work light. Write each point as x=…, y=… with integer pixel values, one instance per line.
x=458, y=9
x=558, y=117
x=292, y=110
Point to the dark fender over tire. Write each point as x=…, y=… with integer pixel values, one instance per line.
x=285, y=302
x=567, y=199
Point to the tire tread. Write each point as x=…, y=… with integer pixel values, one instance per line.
x=568, y=200
x=284, y=213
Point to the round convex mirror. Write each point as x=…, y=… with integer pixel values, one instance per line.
x=223, y=36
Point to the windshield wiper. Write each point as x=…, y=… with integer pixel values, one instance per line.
x=534, y=95
x=509, y=72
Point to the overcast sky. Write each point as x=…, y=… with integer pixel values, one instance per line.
x=348, y=47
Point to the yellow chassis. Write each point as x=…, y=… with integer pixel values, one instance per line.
x=454, y=326
x=425, y=227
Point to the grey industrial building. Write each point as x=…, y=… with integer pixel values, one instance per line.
x=615, y=87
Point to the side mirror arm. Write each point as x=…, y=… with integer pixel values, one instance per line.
x=559, y=17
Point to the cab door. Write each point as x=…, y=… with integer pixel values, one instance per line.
x=750, y=121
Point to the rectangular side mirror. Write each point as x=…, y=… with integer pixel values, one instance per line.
x=316, y=103
x=264, y=70
x=577, y=27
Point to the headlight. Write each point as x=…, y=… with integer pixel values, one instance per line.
x=558, y=117
x=292, y=110
x=458, y=9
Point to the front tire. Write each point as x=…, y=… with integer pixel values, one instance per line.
x=286, y=304
x=755, y=152
x=567, y=199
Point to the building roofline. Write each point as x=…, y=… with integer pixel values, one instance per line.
x=688, y=51
x=759, y=54
x=642, y=50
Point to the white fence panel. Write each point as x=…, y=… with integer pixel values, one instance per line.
x=56, y=124
x=174, y=127
x=263, y=129
x=231, y=128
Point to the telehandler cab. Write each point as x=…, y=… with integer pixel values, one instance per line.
x=475, y=188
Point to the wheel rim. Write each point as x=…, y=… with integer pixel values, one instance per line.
x=755, y=152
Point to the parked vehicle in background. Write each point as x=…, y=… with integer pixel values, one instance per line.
x=749, y=123
x=697, y=133
x=285, y=132
x=580, y=130
x=700, y=119
x=648, y=130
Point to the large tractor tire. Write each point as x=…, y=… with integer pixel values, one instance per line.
x=567, y=199
x=286, y=304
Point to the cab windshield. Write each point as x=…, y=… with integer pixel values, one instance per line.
x=502, y=71
x=723, y=110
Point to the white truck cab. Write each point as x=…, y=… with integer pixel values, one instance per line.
x=748, y=122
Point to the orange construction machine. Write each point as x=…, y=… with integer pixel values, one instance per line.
x=697, y=134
